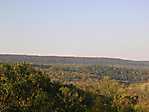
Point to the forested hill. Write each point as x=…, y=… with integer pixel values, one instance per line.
x=45, y=60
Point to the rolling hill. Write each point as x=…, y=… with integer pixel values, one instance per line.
x=46, y=60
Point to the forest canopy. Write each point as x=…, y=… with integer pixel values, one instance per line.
x=24, y=88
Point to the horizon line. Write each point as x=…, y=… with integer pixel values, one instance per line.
x=71, y=56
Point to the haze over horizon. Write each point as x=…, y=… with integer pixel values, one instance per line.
x=99, y=28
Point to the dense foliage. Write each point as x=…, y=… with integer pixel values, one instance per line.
x=24, y=89
x=27, y=89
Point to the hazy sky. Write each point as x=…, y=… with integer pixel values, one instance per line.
x=103, y=28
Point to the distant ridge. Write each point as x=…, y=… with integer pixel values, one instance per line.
x=46, y=60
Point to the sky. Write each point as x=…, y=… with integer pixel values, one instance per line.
x=96, y=28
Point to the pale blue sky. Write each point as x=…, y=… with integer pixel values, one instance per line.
x=102, y=28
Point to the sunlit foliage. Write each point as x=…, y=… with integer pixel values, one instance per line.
x=24, y=88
